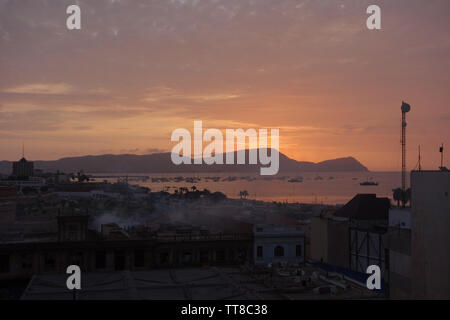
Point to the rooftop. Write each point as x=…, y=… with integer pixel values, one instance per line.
x=207, y=283
x=365, y=207
x=175, y=284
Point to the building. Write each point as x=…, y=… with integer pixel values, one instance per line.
x=430, y=237
x=397, y=243
x=351, y=237
x=368, y=220
x=75, y=244
x=7, y=213
x=329, y=239
x=8, y=191
x=73, y=228
x=158, y=284
x=274, y=244
x=23, y=169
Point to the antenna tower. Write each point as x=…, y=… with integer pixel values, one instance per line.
x=405, y=109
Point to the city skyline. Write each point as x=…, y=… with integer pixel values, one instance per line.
x=137, y=70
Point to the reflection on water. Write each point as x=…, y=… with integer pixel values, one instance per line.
x=323, y=187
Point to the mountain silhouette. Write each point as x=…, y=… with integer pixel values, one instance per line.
x=162, y=163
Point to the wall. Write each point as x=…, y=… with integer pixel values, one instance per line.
x=319, y=239
x=288, y=238
x=430, y=202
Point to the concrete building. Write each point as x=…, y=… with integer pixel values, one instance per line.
x=8, y=191
x=75, y=244
x=31, y=182
x=204, y=283
x=351, y=236
x=397, y=242
x=7, y=213
x=368, y=221
x=329, y=239
x=278, y=244
x=23, y=168
x=176, y=284
x=430, y=237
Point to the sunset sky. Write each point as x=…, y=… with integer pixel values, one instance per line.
x=139, y=69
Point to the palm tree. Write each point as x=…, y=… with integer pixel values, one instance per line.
x=408, y=195
x=243, y=194
x=404, y=197
x=183, y=190
x=398, y=195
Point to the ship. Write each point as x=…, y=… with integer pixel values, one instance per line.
x=368, y=183
x=299, y=179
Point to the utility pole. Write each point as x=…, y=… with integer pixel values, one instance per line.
x=420, y=166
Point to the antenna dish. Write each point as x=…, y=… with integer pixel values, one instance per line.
x=405, y=107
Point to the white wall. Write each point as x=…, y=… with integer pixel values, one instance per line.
x=430, y=237
x=269, y=237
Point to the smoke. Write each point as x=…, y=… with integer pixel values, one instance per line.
x=114, y=217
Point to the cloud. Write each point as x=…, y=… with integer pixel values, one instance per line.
x=31, y=120
x=41, y=88
x=155, y=150
x=165, y=93
x=135, y=150
x=99, y=91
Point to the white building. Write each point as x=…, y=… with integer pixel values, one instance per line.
x=274, y=244
x=430, y=237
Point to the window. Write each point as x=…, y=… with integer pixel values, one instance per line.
x=220, y=255
x=119, y=260
x=72, y=231
x=77, y=258
x=187, y=257
x=27, y=261
x=204, y=256
x=278, y=251
x=259, y=251
x=100, y=260
x=50, y=263
x=298, y=250
x=4, y=263
x=164, y=258
x=139, y=258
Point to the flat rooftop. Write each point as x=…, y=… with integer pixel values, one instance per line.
x=158, y=284
x=207, y=283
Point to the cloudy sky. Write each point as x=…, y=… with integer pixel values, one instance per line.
x=139, y=69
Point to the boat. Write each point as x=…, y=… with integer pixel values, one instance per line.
x=369, y=183
x=299, y=179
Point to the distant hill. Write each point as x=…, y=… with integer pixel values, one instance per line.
x=161, y=163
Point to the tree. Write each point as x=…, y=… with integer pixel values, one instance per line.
x=244, y=194
x=218, y=196
x=408, y=195
x=206, y=192
x=398, y=195
x=404, y=197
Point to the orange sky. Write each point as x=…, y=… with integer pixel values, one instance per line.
x=140, y=69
